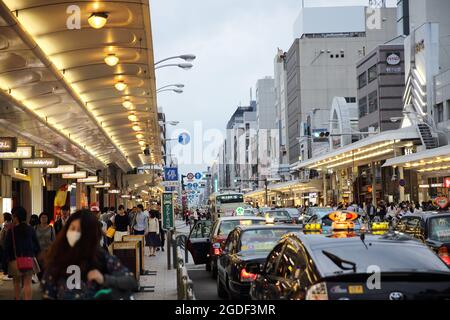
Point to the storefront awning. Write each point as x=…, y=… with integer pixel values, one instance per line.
x=290, y=186
x=430, y=160
x=373, y=147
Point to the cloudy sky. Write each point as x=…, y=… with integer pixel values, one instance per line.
x=235, y=42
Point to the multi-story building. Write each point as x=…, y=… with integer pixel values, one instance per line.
x=381, y=85
x=321, y=65
x=266, y=113
x=281, y=109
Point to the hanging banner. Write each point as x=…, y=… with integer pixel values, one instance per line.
x=20, y=153
x=8, y=144
x=89, y=179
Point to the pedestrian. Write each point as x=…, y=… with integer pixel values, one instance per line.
x=195, y=215
x=95, y=210
x=153, y=240
x=139, y=225
x=79, y=246
x=7, y=225
x=34, y=220
x=45, y=234
x=61, y=222
x=370, y=209
x=162, y=232
x=121, y=222
x=22, y=247
x=391, y=211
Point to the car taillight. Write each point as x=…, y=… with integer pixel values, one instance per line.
x=317, y=292
x=217, y=249
x=247, y=276
x=443, y=254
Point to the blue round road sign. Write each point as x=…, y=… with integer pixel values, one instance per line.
x=184, y=138
x=198, y=176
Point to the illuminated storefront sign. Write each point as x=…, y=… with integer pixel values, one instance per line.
x=39, y=163
x=20, y=153
x=69, y=168
x=76, y=175
x=88, y=179
x=8, y=144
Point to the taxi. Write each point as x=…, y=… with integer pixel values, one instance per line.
x=347, y=264
x=328, y=220
x=246, y=245
x=433, y=228
x=205, y=241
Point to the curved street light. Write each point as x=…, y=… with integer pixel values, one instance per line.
x=178, y=85
x=173, y=90
x=185, y=66
x=185, y=57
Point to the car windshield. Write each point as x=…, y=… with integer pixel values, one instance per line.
x=440, y=229
x=248, y=212
x=320, y=212
x=261, y=239
x=277, y=214
x=293, y=212
x=228, y=225
x=395, y=257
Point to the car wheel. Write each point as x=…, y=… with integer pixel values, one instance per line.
x=208, y=265
x=221, y=291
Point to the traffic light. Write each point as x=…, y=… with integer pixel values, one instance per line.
x=324, y=134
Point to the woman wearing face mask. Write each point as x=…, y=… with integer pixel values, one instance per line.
x=77, y=251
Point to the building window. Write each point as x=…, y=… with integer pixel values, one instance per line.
x=439, y=112
x=448, y=109
x=373, y=102
x=362, y=107
x=350, y=99
x=362, y=80
x=373, y=73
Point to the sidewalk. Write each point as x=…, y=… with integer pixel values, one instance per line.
x=161, y=284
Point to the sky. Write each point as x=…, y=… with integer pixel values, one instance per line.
x=235, y=42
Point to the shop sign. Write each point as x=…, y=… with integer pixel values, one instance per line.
x=441, y=202
x=69, y=168
x=447, y=182
x=76, y=175
x=393, y=59
x=20, y=153
x=88, y=179
x=8, y=144
x=39, y=163
x=167, y=202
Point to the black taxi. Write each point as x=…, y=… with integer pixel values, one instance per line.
x=433, y=228
x=344, y=264
x=246, y=245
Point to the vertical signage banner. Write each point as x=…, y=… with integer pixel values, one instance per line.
x=167, y=203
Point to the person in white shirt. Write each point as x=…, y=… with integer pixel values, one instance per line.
x=153, y=239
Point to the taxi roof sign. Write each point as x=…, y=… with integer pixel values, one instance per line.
x=343, y=216
x=240, y=211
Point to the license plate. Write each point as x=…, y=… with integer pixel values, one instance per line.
x=355, y=289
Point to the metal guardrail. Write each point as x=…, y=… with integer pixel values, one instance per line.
x=185, y=286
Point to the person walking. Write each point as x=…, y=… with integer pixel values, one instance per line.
x=22, y=246
x=139, y=225
x=162, y=232
x=7, y=225
x=121, y=222
x=61, y=222
x=152, y=238
x=34, y=220
x=79, y=246
x=45, y=234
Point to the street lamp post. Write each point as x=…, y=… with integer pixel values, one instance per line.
x=185, y=57
x=172, y=90
x=185, y=66
x=266, y=186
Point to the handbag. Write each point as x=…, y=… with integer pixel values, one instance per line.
x=23, y=263
x=110, y=232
